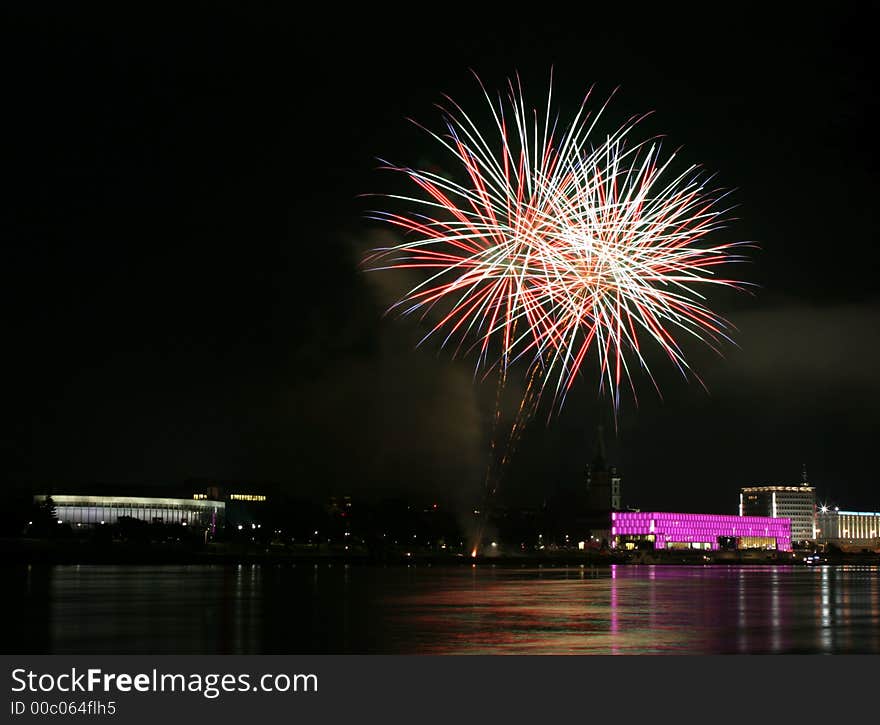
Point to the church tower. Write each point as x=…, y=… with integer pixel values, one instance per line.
x=603, y=486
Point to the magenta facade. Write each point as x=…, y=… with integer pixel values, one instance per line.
x=671, y=528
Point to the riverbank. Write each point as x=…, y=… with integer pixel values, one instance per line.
x=73, y=551
x=47, y=551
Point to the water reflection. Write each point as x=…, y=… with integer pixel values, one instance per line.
x=481, y=609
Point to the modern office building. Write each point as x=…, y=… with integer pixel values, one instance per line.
x=90, y=511
x=630, y=530
x=797, y=503
x=853, y=528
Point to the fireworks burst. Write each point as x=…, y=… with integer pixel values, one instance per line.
x=558, y=243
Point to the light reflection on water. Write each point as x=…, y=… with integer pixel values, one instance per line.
x=459, y=610
x=652, y=610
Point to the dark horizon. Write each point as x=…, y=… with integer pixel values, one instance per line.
x=183, y=296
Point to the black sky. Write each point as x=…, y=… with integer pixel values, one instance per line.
x=183, y=224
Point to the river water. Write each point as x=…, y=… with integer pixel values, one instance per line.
x=335, y=609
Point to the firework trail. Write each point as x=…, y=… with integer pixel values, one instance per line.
x=557, y=245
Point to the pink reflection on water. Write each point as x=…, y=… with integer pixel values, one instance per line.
x=615, y=624
x=547, y=611
x=617, y=610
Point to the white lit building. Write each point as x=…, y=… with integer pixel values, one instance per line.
x=848, y=527
x=797, y=503
x=100, y=510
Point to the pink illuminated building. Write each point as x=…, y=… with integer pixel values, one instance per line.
x=699, y=531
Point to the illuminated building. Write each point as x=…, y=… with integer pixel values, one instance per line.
x=630, y=530
x=251, y=497
x=246, y=505
x=797, y=503
x=195, y=503
x=848, y=527
x=90, y=511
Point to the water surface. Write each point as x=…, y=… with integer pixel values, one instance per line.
x=457, y=610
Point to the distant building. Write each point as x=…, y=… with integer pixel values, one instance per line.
x=797, y=503
x=194, y=503
x=631, y=530
x=82, y=510
x=603, y=485
x=848, y=528
x=246, y=504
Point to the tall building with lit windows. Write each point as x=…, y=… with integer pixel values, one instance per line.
x=797, y=503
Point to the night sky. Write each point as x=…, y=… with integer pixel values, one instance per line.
x=183, y=225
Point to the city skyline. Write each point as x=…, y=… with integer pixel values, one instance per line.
x=436, y=331
x=824, y=501
x=186, y=300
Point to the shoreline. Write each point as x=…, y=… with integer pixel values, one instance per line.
x=41, y=552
